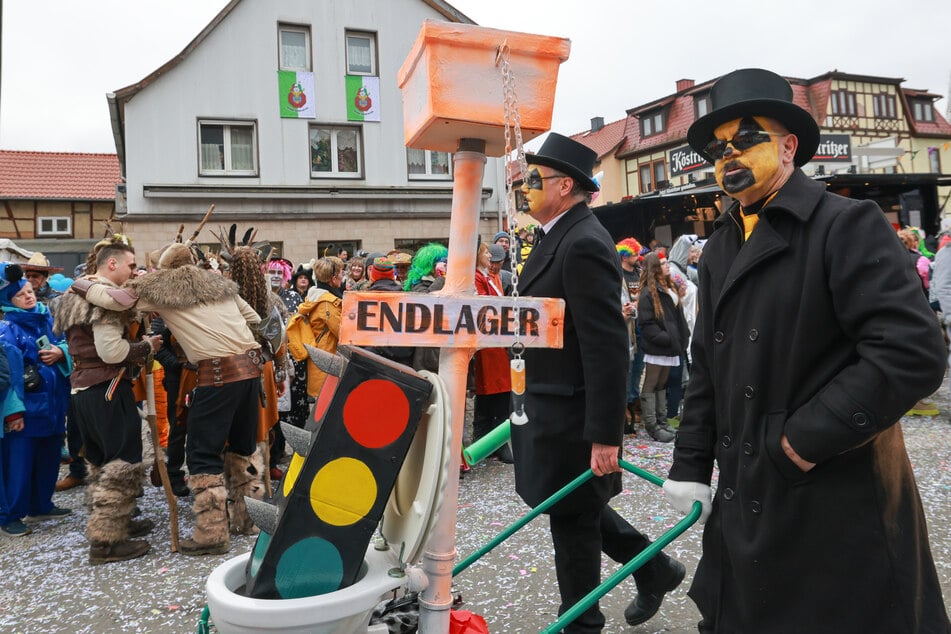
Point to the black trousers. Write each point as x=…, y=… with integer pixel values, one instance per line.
x=579, y=541
x=219, y=415
x=74, y=444
x=111, y=430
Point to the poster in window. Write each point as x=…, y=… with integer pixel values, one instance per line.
x=363, y=98
x=296, y=94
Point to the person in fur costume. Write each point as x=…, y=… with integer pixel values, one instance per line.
x=213, y=325
x=104, y=360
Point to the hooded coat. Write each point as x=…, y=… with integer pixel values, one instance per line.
x=815, y=328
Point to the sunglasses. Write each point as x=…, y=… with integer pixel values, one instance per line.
x=534, y=179
x=742, y=140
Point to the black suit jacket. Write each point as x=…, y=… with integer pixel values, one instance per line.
x=576, y=394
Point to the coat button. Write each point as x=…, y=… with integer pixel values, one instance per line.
x=756, y=507
x=748, y=448
x=749, y=392
x=754, y=334
x=718, y=336
x=859, y=419
x=727, y=441
x=728, y=494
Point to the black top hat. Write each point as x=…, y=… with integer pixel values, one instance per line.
x=567, y=156
x=760, y=93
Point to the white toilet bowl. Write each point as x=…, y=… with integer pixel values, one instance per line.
x=408, y=520
x=344, y=611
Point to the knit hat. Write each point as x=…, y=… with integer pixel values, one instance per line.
x=381, y=269
x=496, y=253
x=500, y=234
x=11, y=281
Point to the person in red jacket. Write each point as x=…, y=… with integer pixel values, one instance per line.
x=492, y=381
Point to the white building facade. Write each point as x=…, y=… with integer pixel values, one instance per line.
x=286, y=115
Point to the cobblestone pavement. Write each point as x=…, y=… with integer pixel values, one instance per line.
x=47, y=586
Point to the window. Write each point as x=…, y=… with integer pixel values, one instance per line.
x=701, y=104
x=294, y=47
x=652, y=176
x=644, y=173
x=54, y=226
x=660, y=174
x=336, y=152
x=227, y=148
x=884, y=106
x=843, y=102
x=652, y=123
x=923, y=110
x=427, y=164
x=361, y=53
x=934, y=160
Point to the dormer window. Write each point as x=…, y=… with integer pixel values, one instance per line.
x=701, y=104
x=652, y=123
x=922, y=110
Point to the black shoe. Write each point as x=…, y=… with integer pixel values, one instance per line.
x=647, y=602
x=181, y=490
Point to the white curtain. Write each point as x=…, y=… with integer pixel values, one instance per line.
x=242, y=149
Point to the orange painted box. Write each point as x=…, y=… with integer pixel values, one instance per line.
x=452, y=85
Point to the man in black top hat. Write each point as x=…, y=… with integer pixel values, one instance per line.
x=575, y=396
x=813, y=338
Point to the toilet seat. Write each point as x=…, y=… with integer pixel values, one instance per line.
x=413, y=507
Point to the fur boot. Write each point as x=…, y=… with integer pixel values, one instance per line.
x=113, y=501
x=243, y=477
x=92, y=480
x=210, y=536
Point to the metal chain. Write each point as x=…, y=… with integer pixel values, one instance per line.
x=513, y=122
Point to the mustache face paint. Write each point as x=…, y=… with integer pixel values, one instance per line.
x=533, y=189
x=747, y=170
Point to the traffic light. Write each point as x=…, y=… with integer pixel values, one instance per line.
x=314, y=537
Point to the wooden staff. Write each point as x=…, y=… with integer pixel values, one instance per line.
x=201, y=225
x=157, y=446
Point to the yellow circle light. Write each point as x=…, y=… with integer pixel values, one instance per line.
x=343, y=492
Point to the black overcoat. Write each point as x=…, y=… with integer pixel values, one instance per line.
x=574, y=395
x=816, y=328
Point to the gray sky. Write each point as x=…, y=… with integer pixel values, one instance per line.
x=61, y=57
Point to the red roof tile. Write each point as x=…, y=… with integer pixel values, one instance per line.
x=604, y=140
x=938, y=127
x=58, y=175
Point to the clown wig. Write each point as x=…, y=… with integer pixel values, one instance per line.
x=282, y=266
x=424, y=263
x=628, y=247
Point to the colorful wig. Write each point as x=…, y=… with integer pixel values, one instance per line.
x=283, y=266
x=628, y=247
x=424, y=263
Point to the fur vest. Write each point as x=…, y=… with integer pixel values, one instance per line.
x=183, y=287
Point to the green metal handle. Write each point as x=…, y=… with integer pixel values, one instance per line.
x=608, y=584
x=486, y=446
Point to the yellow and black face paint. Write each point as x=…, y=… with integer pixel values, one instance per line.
x=747, y=155
x=533, y=188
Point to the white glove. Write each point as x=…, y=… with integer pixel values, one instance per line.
x=682, y=495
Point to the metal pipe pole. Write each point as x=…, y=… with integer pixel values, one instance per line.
x=468, y=171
